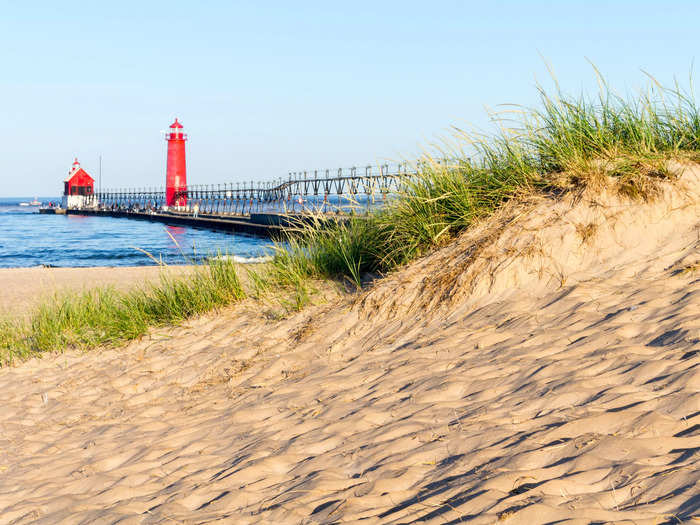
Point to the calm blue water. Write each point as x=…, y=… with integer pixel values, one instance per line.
x=30, y=239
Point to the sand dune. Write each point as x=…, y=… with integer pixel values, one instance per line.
x=538, y=370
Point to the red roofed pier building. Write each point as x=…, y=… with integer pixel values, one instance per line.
x=79, y=188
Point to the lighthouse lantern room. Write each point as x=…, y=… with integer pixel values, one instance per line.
x=78, y=188
x=176, y=169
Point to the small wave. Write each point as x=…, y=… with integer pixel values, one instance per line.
x=244, y=260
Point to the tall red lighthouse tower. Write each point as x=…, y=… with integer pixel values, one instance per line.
x=176, y=171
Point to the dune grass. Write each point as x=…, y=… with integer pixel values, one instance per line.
x=104, y=316
x=564, y=144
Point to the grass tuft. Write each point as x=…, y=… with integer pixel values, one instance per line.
x=565, y=144
x=105, y=316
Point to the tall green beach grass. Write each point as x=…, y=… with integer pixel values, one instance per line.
x=104, y=316
x=565, y=144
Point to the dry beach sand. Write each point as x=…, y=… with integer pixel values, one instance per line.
x=544, y=368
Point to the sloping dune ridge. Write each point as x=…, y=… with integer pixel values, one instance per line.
x=543, y=368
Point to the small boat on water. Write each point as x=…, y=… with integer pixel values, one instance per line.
x=35, y=202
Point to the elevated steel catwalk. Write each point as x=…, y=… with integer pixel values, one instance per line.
x=303, y=191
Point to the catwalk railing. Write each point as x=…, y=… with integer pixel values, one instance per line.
x=349, y=189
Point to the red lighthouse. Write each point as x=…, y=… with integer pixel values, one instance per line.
x=176, y=171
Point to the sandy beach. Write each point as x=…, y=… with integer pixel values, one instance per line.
x=543, y=368
x=23, y=288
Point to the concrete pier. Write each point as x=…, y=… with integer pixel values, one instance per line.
x=260, y=224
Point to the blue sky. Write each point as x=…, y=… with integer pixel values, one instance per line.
x=264, y=88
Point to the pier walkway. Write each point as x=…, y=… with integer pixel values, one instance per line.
x=262, y=208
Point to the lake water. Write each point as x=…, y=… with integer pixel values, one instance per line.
x=30, y=239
